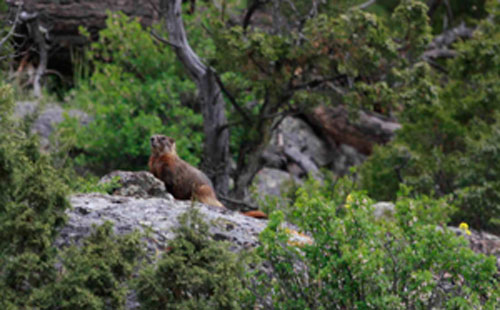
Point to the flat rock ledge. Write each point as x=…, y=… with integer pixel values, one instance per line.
x=158, y=216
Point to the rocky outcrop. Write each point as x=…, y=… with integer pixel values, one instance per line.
x=299, y=150
x=46, y=117
x=272, y=182
x=157, y=215
x=140, y=203
x=141, y=184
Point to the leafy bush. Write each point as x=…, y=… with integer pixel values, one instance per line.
x=448, y=142
x=92, y=276
x=196, y=272
x=135, y=91
x=34, y=274
x=32, y=205
x=357, y=261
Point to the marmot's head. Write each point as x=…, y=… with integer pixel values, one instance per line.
x=161, y=144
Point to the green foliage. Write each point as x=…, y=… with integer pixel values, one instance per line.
x=408, y=261
x=92, y=276
x=32, y=205
x=196, y=272
x=34, y=274
x=135, y=91
x=448, y=143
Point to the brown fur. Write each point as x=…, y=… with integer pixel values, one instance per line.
x=256, y=214
x=181, y=179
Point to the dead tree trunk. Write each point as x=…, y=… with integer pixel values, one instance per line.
x=362, y=133
x=216, y=159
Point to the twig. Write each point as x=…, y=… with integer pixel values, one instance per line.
x=163, y=40
x=318, y=82
x=11, y=31
x=251, y=10
x=39, y=39
x=365, y=5
x=231, y=98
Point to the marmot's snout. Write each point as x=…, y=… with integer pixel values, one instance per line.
x=161, y=143
x=154, y=141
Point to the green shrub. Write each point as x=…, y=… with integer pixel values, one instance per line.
x=449, y=139
x=410, y=261
x=195, y=273
x=133, y=92
x=92, y=276
x=34, y=274
x=32, y=206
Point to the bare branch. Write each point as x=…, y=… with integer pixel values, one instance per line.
x=251, y=10
x=318, y=82
x=162, y=39
x=178, y=38
x=366, y=4
x=42, y=63
x=11, y=30
x=231, y=98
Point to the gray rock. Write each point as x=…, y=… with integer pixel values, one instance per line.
x=157, y=215
x=270, y=181
x=46, y=118
x=139, y=184
x=25, y=108
x=294, y=132
x=383, y=209
x=345, y=157
x=273, y=157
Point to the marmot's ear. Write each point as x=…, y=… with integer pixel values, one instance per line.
x=171, y=140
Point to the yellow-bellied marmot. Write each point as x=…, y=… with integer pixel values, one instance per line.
x=181, y=179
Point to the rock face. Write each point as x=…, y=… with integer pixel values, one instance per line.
x=46, y=118
x=140, y=201
x=272, y=181
x=140, y=184
x=299, y=150
x=143, y=204
x=159, y=215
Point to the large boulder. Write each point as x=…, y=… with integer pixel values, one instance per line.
x=271, y=182
x=300, y=150
x=141, y=184
x=46, y=117
x=157, y=215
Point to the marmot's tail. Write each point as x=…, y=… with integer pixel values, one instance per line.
x=256, y=214
x=205, y=194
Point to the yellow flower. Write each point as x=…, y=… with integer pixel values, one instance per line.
x=465, y=228
x=348, y=201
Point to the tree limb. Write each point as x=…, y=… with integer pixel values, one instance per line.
x=251, y=10
x=366, y=4
x=231, y=98
x=11, y=30
x=216, y=158
x=162, y=39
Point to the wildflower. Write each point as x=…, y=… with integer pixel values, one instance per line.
x=465, y=228
x=348, y=201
